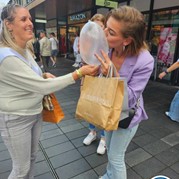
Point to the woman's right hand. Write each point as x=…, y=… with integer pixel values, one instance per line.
x=89, y=70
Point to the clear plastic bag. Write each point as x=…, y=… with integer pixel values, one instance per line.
x=92, y=40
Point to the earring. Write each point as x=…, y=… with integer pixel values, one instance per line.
x=12, y=37
x=123, y=48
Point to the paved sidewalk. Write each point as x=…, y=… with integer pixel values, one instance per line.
x=154, y=149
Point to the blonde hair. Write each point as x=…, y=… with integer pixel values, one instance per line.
x=6, y=39
x=98, y=17
x=134, y=27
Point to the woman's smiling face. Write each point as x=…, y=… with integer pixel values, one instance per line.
x=21, y=27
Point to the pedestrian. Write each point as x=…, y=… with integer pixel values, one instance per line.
x=45, y=50
x=76, y=51
x=22, y=90
x=92, y=136
x=54, y=48
x=125, y=33
x=36, y=46
x=173, y=112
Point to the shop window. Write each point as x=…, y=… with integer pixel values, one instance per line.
x=163, y=37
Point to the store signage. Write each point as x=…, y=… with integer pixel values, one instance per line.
x=78, y=17
x=106, y=3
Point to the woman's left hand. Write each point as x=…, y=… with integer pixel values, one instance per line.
x=48, y=75
x=105, y=64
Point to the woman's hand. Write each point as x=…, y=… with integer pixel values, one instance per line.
x=105, y=64
x=89, y=70
x=85, y=70
x=161, y=75
x=48, y=75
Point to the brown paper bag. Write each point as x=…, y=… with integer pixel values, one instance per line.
x=52, y=111
x=100, y=102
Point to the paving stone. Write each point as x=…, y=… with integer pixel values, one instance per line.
x=88, y=150
x=156, y=147
x=4, y=155
x=160, y=132
x=137, y=156
x=68, y=122
x=169, y=173
x=78, y=142
x=131, y=174
x=172, y=139
x=49, y=127
x=6, y=166
x=44, y=176
x=40, y=157
x=73, y=169
x=41, y=168
x=168, y=157
x=65, y=158
x=149, y=168
x=101, y=169
x=54, y=141
x=58, y=149
x=4, y=175
x=78, y=133
x=94, y=160
x=86, y=175
x=2, y=147
x=144, y=140
x=175, y=167
x=71, y=128
x=49, y=134
x=132, y=146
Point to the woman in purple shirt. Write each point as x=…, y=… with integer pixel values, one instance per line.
x=125, y=32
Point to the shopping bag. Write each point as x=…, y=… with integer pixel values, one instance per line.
x=52, y=111
x=101, y=101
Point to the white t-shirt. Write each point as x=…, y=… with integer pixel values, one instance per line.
x=54, y=43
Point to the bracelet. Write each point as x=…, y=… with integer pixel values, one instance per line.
x=79, y=74
x=166, y=72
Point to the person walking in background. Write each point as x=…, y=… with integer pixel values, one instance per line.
x=125, y=33
x=45, y=50
x=22, y=90
x=92, y=136
x=76, y=51
x=36, y=46
x=54, y=48
x=173, y=112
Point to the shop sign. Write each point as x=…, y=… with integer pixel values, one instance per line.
x=106, y=3
x=78, y=17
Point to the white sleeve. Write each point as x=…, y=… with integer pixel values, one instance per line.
x=16, y=73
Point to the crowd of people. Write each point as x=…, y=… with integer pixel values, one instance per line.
x=23, y=83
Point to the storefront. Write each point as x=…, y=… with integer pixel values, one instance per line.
x=162, y=23
x=164, y=41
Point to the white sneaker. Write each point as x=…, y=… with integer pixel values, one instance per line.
x=90, y=138
x=101, y=147
x=167, y=113
x=41, y=66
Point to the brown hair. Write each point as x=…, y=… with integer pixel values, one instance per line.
x=134, y=27
x=98, y=17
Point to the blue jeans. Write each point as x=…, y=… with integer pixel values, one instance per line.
x=21, y=136
x=117, y=143
x=92, y=127
x=174, y=108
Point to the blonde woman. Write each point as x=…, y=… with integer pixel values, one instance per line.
x=22, y=90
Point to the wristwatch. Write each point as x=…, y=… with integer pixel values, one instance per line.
x=166, y=72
